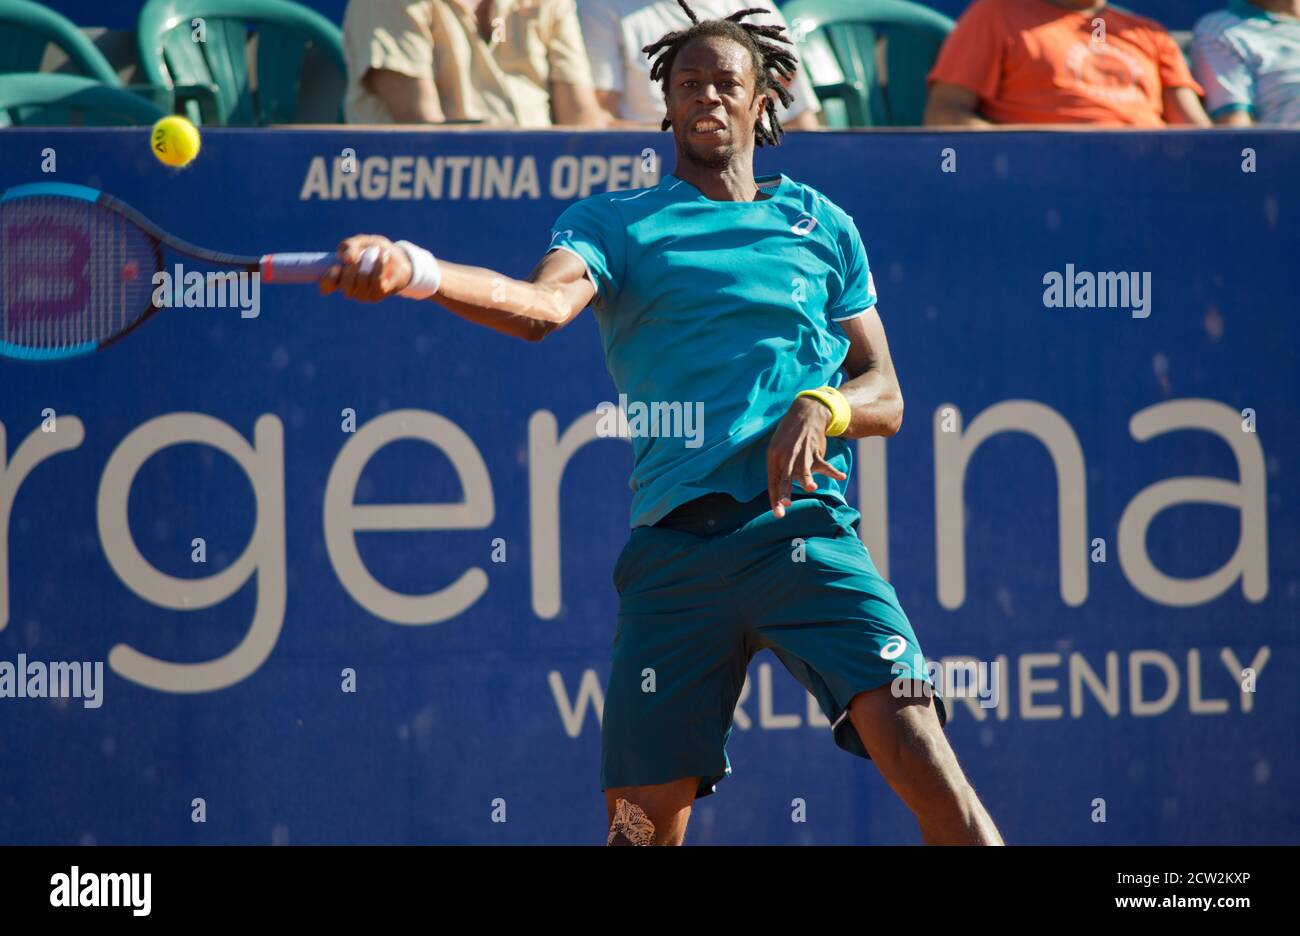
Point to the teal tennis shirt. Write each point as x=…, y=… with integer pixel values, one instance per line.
x=713, y=316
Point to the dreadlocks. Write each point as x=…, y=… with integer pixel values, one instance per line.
x=769, y=59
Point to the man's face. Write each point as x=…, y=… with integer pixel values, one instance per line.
x=711, y=102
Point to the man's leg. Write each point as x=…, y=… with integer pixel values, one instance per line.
x=650, y=815
x=837, y=626
x=906, y=742
x=676, y=672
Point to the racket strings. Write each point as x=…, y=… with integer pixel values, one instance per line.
x=72, y=273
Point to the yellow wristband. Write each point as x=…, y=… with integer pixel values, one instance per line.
x=841, y=412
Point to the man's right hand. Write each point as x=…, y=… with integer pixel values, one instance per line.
x=370, y=268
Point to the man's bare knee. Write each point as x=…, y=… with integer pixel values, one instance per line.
x=895, y=728
x=907, y=744
x=905, y=739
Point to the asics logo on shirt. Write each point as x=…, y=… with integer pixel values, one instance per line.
x=804, y=225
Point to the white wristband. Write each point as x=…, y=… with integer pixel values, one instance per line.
x=426, y=277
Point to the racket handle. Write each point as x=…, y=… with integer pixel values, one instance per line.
x=296, y=267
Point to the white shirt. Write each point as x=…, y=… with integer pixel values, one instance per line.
x=1249, y=59
x=615, y=31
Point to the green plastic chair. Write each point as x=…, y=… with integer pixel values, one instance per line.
x=839, y=37
x=43, y=99
x=27, y=28
x=169, y=56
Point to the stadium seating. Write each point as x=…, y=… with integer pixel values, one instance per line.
x=267, y=62
x=27, y=28
x=286, y=34
x=91, y=93
x=858, y=85
x=40, y=99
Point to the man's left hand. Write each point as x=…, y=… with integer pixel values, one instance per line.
x=797, y=452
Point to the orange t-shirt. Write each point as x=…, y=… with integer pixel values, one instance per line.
x=1033, y=62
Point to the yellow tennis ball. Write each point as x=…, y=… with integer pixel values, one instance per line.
x=175, y=141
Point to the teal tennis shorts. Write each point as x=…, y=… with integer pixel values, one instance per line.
x=709, y=586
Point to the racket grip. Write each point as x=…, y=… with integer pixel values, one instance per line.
x=296, y=267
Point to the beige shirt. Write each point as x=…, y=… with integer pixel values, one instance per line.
x=503, y=79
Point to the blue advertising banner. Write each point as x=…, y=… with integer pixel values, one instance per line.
x=341, y=572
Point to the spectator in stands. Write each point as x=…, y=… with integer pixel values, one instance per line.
x=616, y=31
x=1060, y=62
x=1248, y=59
x=430, y=61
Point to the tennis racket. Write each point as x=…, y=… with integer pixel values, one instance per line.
x=77, y=269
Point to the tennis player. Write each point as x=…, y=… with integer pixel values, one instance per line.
x=753, y=297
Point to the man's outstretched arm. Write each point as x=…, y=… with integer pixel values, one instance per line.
x=552, y=296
